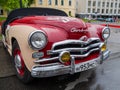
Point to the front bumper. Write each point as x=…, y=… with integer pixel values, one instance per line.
x=55, y=69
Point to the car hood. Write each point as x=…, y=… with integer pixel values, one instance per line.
x=69, y=27
x=66, y=23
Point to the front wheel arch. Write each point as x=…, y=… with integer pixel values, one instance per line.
x=26, y=78
x=12, y=41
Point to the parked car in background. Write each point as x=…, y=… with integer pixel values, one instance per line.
x=100, y=19
x=45, y=42
x=110, y=20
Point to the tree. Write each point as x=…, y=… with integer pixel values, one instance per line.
x=9, y=5
x=30, y=2
x=3, y=3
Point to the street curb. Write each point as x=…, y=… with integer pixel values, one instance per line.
x=111, y=25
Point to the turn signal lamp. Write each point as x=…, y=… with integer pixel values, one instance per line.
x=103, y=47
x=64, y=57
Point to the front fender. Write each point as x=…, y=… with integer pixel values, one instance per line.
x=21, y=33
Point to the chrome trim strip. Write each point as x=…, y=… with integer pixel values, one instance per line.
x=50, y=64
x=106, y=54
x=74, y=41
x=72, y=65
x=85, y=55
x=46, y=59
x=81, y=56
x=73, y=49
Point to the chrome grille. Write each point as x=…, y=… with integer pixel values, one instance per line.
x=77, y=48
x=72, y=44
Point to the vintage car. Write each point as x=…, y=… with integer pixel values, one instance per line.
x=45, y=42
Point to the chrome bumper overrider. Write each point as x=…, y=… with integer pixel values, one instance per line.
x=60, y=69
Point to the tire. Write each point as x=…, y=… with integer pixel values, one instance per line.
x=21, y=71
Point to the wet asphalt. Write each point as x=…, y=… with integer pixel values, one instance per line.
x=106, y=76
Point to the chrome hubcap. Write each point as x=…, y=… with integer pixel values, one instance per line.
x=18, y=62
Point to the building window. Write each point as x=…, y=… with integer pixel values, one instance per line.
x=98, y=10
x=1, y=12
x=49, y=2
x=40, y=2
x=102, y=10
x=88, y=10
x=70, y=13
x=118, y=11
x=94, y=3
x=89, y=3
x=115, y=5
x=70, y=2
x=107, y=4
x=62, y=2
x=114, y=11
x=106, y=10
x=111, y=11
x=77, y=4
x=56, y=2
x=93, y=10
x=112, y=4
x=103, y=4
x=99, y=4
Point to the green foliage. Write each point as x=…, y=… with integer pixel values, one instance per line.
x=9, y=5
x=3, y=3
x=86, y=20
x=2, y=18
x=30, y=2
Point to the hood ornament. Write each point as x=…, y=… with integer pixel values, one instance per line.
x=84, y=38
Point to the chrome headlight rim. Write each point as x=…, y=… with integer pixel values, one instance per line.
x=104, y=31
x=29, y=40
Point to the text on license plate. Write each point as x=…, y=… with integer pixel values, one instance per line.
x=85, y=66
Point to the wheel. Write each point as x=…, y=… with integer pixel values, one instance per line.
x=21, y=71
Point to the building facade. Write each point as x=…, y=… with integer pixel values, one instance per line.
x=99, y=8
x=69, y=6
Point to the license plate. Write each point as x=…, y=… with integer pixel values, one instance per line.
x=85, y=66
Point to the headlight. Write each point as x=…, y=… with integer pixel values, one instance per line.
x=106, y=33
x=37, y=40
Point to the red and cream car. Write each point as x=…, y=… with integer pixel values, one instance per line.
x=46, y=42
